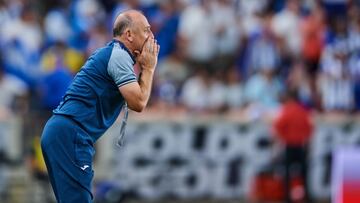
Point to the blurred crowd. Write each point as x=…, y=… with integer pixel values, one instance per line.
x=217, y=56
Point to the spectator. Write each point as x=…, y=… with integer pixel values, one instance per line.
x=226, y=28
x=335, y=84
x=248, y=13
x=60, y=54
x=336, y=94
x=233, y=90
x=313, y=31
x=4, y=13
x=293, y=129
x=57, y=75
x=85, y=15
x=262, y=51
x=22, y=50
x=313, y=39
x=299, y=80
x=197, y=32
x=56, y=26
x=168, y=26
x=171, y=74
x=354, y=57
x=262, y=91
x=286, y=25
x=202, y=93
x=13, y=91
x=13, y=94
x=54, y=86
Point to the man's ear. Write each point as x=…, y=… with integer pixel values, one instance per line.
x=129, y=35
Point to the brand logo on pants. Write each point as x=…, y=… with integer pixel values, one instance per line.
x=84, y=167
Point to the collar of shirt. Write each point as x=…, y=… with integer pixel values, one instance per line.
x=126, y=49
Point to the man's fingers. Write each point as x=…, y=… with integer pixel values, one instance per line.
x=148, y=45
x=155, y=47
x=145, y=44
x=158, y=49
x=152, y=45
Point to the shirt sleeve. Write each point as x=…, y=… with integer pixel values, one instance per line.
x=120, y=67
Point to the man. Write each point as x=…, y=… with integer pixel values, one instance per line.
x=293, y=128
x=93, y=102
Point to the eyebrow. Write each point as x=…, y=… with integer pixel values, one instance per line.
x=147, y=28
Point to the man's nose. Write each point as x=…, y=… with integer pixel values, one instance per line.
x=152, y=34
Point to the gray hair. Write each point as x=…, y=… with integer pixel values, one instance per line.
x=124, y=22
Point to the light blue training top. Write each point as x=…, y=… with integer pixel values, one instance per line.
x=93, y=99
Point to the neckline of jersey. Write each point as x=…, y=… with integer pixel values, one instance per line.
x=126, y=49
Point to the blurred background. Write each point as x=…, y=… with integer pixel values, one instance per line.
x=253, y=100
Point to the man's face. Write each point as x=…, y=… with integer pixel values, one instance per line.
x=141, y=32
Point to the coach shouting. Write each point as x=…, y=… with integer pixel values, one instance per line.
x=93, y=102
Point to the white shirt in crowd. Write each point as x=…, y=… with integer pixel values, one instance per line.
x=10, y=88
x=336, y=94
x=286, y=24
x=199, y=96
x=196, y=26
x=234, y=95
x=224, y=18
